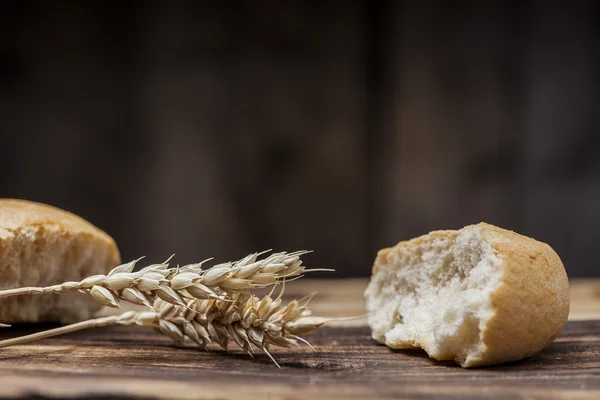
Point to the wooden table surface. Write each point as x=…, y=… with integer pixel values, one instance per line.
x=133, y=362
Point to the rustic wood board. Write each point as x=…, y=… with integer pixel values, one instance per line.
x=136, y=362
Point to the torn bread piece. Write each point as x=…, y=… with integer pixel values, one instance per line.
x=481, y=295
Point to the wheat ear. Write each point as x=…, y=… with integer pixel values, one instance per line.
x=177, y=285
x=248, y=321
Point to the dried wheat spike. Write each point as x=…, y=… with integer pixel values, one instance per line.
x=179, y=284
x=248, y=321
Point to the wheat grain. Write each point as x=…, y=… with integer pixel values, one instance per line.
x=179, y=284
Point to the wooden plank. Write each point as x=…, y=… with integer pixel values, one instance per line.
x=585, y=299
x=137, y=362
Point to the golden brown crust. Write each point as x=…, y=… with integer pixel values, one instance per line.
x=531, y=304
x=15, y=214
x=42, y=245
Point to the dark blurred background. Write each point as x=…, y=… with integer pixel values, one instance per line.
x=206, y=129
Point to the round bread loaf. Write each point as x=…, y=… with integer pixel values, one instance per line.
x=42, y=245
x=481, y=295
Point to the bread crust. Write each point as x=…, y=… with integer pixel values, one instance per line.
x=532, y=303
x=41, y=245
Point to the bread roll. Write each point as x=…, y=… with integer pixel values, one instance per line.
x=40, y=246
x=481, y=295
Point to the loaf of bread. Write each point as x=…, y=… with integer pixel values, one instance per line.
x=481, y=295
x=40, y=246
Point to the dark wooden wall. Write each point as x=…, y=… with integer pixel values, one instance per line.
x=206, y=129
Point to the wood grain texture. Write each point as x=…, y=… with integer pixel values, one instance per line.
x=139, y=363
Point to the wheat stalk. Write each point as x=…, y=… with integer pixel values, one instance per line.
x=179, y=284
x=248, y=321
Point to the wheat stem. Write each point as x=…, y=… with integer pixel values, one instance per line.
x=21, y=291
x=92, y=323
